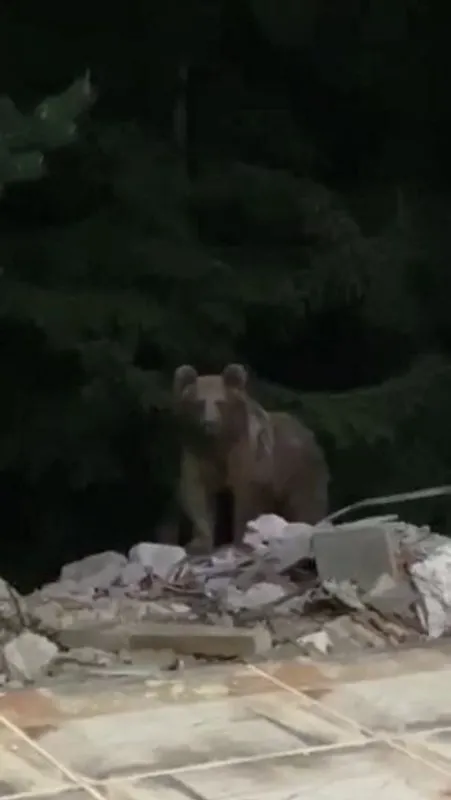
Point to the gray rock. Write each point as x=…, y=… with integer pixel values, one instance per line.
x=160, y=559
x=260, y=594
x=88, y=655
x=393, y=597
x=132, y=574
x=49, y=614
x=285, y=543
x=28, y=656
x=98, y=571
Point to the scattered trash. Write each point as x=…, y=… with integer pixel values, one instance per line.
x=323, y=590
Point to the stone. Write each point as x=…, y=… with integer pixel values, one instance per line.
x=264, y=528
x=87, y=655
x=49, y=614
x=98, y=571
x=5, y=591
x=357, y=554
x=66, y=593
x=132, y=574
x=260, y=594
x=28, y=656
x=286, y=543
x=136, y=610
x=432, y=580
x=319, y=640
x=10, y=601
x=159, y=559
x=393, y=597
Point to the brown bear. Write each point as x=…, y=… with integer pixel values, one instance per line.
x=270, y=462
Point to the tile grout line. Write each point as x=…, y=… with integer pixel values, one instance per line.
x=362, y=728
x=78, y=781
x=34, y=794
x=226, y=762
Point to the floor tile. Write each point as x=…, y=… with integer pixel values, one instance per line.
x=35, y=709
x=303, y=673
x=175, y=736
x=373, y=771
x=411, y=702
x=23, y=769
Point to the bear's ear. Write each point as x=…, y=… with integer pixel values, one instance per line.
x=184, y=376
x=235, y=376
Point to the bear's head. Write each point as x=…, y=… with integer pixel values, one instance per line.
x=217, y=404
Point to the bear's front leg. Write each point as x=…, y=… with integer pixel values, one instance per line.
x=243, y=511
x=197, y=504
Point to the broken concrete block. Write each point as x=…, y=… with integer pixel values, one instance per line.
x=432, y=579
x=98, y=571
x=266, y=526
x=359, y=555
x=183, y=639
x=393, y=597
x=87, y=655
x=294, y=545
x=49, y=614
x=159, y=559
x=285, y=543
x=202, y=640
x=65, y=592
x=319, y=640
x=28, y=656
x=11, y=602
x=347, y=635
x=260, y=594
x=132, y=574
x=346, y=592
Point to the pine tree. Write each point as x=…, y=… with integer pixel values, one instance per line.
x=24, y=138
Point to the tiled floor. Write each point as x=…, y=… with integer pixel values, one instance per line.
x=294, y=730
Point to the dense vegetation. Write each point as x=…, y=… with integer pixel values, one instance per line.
x=253, y=180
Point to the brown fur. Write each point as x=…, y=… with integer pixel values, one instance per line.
x=269, y=461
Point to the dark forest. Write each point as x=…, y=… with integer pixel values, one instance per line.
x=205, y=182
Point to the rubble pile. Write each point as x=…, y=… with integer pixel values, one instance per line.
x=291, y=588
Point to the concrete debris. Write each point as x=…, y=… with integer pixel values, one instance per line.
x=157, y=560
x=320, y=641
x=98, y=571
x=255, y=597
x=91, y=656
x=356, y=553
x=432, y=579
x=286, y=544
x=28, y=656
x=396, y=598
x=219, y=641
x=291, y=588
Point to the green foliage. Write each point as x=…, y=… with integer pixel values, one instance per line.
x=23, y=138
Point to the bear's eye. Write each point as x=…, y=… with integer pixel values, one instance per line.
x=189, y=395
